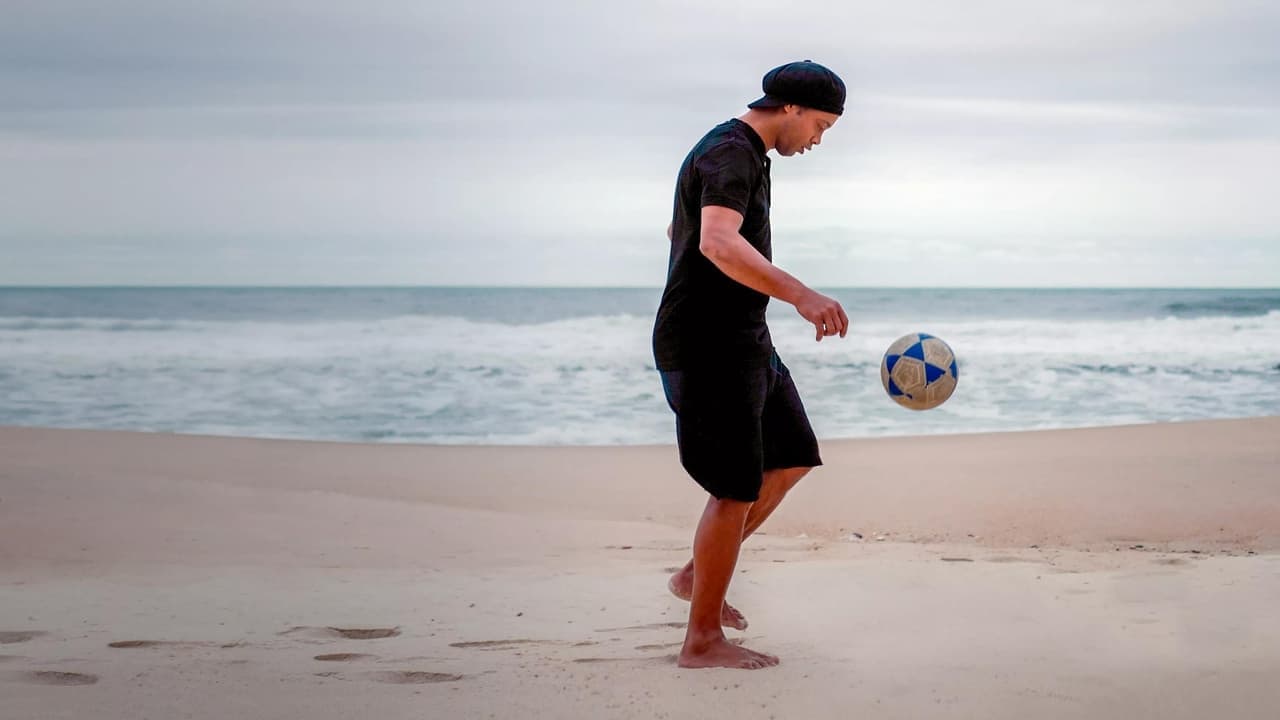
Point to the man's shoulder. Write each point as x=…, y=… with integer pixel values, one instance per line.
x=725, y=137
x=724, y=148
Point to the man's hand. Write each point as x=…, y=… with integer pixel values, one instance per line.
x=825, y=313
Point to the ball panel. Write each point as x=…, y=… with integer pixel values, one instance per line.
x=938, y=392
x=917, y=403
x=933, y=372
x=895, y=392
x=901, y=344
x=937, y=352
x=909, y=375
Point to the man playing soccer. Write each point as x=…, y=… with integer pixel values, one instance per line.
x=741, y=428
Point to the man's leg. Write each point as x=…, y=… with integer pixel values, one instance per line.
x=777, y=483
x=715, y=549
x=775, y=487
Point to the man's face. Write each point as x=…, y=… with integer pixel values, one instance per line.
x=803, y=129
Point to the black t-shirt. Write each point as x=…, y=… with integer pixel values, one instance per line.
x=705, y=317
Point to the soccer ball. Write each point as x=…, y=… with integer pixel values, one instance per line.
x=919, y=371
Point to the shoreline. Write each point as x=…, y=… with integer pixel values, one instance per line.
x=599, y=446
x=1216, y=483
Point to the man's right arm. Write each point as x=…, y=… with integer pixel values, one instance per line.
x=722, y=243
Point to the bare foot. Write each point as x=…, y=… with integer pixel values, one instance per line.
x=720, y=652
x=681, y=585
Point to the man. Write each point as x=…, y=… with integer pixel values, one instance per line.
x=741, y=428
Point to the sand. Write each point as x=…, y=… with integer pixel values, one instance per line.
x=1124, y=572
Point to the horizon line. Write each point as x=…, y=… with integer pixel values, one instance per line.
x=401, y=286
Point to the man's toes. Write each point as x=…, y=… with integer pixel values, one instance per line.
x=679, y=590
x=732, y=617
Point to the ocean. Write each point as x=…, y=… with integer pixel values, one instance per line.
x=574, y=366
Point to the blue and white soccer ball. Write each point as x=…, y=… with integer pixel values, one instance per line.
x=919, y=371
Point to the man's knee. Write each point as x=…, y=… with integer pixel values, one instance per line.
x=788, y=477
x=799, y=473
x=727, y=507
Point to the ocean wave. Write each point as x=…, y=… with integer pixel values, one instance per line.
x=42, y=324
x=591, y=380
x=1199, y=371
x=1229, y=306
x=601, y=342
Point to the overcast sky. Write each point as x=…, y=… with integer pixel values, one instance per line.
x=493, y=143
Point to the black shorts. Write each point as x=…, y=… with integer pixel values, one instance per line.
x=732, y=424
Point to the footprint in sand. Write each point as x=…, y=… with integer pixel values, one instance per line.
x=327, y=633
x=124, y=644
x=651, y=626
x=50, y=677
x=660, y=646
x=412, y=677
x=342, y=657
x=662, y=659
x=138, y=643
x=9, y=637
x=400, y=677
x=497, y=644
x=366, y=633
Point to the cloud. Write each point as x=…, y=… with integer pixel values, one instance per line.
x=402, y=141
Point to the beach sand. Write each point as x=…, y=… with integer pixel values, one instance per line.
x=1124, y=572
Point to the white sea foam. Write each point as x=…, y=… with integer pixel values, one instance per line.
x=590, y=380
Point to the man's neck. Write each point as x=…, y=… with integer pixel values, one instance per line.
x=763, y=124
